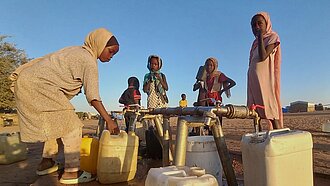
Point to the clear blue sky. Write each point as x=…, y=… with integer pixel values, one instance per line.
x=183, y=33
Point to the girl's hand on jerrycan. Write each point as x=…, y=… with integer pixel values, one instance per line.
x=113, y=127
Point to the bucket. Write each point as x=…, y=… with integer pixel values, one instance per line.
x=179, y=176
x=88, y=154
x=12, y=149
x=202, y=152
x=117, y=157
x=278, y=158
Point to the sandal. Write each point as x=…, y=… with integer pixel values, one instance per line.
x=50, y=170
x=83, y=178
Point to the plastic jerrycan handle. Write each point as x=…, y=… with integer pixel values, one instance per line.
x=122, y=134
x=277, y=131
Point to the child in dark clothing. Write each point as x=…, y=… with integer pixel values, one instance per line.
x=130, y=96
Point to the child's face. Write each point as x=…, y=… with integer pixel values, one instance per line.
x=108, y=53
x=183, y=97
x=209, y=67
x=258, y=24
x=154, y=65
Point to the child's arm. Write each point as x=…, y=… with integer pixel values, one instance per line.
x=146, y=83
x=230, y=84
x=263, y=51
x=146, y=87
x=111, y=126
x=122, y=99
x=198, y=85
x=162, y=81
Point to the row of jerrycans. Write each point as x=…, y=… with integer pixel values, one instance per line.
x=113, y=157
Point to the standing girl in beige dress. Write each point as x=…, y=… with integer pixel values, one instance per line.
x=264, y=71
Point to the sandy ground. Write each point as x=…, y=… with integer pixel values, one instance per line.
x=23, y=172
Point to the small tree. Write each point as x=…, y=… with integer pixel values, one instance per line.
x=10, y=59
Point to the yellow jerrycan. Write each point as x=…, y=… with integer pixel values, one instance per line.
x=89, y=149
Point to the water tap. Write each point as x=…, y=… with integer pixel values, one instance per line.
x=256, y=120
x=209, y=115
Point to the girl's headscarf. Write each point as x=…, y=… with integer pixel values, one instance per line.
x=133, y=81
x=96, y=41
x=269, y=31
x=266, y=16
x=214, y=61
x=151, y=75
x=216, y=73
x=160, y=63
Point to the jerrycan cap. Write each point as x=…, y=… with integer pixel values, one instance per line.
x=196, y=171
x=257, y=138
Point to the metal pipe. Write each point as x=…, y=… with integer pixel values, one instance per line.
x=181, y=142
x=159, y=127
x=224, y=154
x=182, y=135
x=166, y=141
x=160, y=136
x=229, y=111
x=195, y=121
x=212, y=120
x=180, y=111
x=132, y=122
x=256, y=122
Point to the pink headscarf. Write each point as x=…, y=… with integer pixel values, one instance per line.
x=269, y=30
x=277, y=58
x=266, y=16
x=214, y=61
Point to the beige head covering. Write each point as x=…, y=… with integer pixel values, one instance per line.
x=96, y=41
x=215, y=64
x=217, y=86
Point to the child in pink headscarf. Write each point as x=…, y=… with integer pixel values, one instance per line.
x=264, y=71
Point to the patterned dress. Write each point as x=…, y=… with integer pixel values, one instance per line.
x=154, y=101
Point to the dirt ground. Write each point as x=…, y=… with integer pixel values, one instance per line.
x=23, y=173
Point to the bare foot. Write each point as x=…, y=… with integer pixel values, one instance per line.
x=46, y=163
